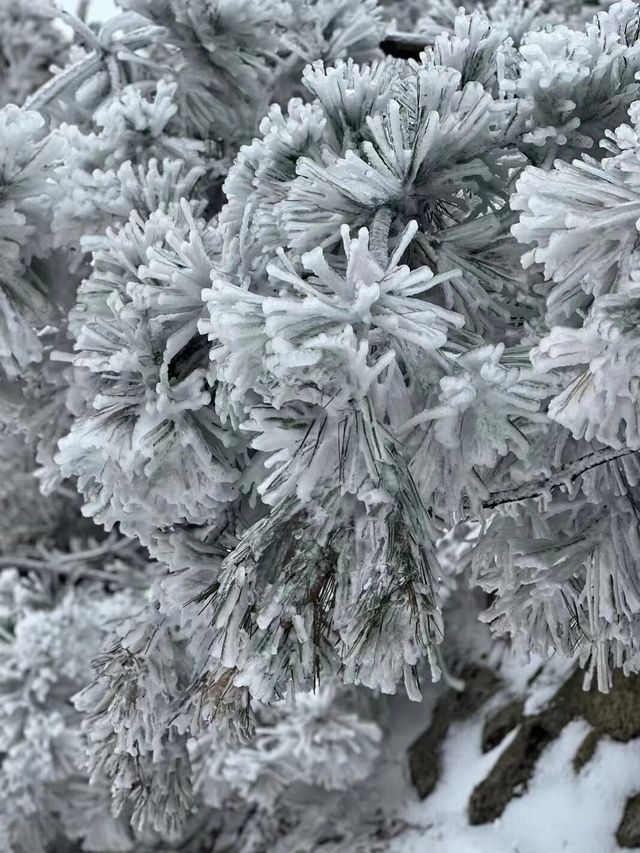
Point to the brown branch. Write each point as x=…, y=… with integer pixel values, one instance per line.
x=567, y=473
x=404, y=45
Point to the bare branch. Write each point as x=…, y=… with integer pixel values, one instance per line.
x=404, y=45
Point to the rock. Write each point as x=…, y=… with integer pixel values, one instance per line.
x=628, y=834
x=586, y=749
x=498, y=725
x=511, y=773
x=424, y=753
x=615, y=714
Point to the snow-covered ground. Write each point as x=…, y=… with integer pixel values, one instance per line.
x=560, y=812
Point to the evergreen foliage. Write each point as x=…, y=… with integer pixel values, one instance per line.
x=279, y=313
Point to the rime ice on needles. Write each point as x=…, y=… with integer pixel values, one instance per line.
x=591, y=200
x=571, y=86
x=48, y=641
x=222, y=55
x=323, y=357
x=338, y=29
x=316, y=741
x=601, y=402
x=421, y=151
x=486, y=405
x=412, y=305
x=129, y=717
x=146, y=437
x=568, y=585
x=566, y=208
x=28, y=154
x=30, y=44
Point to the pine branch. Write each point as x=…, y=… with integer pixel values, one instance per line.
x=567, y=473
x=404, y=45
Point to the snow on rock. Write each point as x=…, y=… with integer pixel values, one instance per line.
x=561, y=811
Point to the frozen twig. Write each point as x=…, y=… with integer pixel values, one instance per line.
x=562, y=477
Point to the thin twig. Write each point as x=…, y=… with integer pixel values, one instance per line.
x=68, y=565
x=83, y=9
x=404, y=45
x=29, y=564
x=562, y=476
x=26, y=563
x=105, y=549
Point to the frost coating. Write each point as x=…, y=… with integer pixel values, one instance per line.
x=282, y=312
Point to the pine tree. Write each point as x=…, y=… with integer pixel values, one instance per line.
x=280, y=314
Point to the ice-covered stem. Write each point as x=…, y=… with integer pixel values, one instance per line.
x=107, y=52
x=380, y=228
x=562, y=476
x=75, y=563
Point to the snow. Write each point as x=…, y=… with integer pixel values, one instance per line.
x=561, y=811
